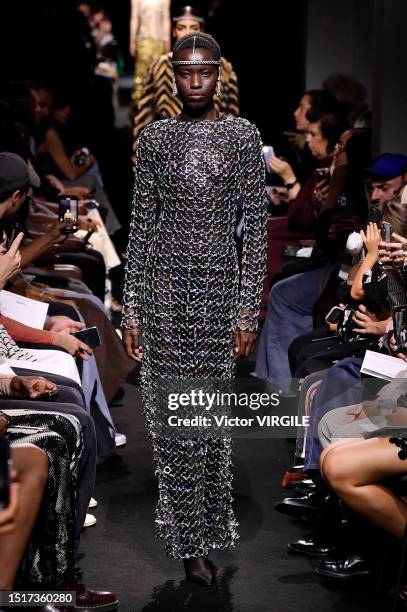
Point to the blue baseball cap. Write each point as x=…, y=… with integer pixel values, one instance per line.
x=388, y=165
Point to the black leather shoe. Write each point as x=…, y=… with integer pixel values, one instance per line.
x=312, y=546
x=350, y=567
x=200, y=571
x=304, y=486
x=310, y=506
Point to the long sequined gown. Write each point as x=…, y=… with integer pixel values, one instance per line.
x=182, y=288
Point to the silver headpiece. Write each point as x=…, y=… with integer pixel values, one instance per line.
x=196, y=61
x=188, y=14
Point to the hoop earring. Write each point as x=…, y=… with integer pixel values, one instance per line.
x=174, y=87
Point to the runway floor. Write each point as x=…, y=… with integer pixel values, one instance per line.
x=122, y=553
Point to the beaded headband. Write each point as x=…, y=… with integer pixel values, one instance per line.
x=196, y=61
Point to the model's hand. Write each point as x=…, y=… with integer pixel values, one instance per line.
x=131, y=341
x=244, y=343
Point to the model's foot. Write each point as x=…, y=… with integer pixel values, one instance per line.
x=199, y=570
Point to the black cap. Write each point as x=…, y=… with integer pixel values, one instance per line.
x=15, y=173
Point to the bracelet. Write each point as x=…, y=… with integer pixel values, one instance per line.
x=290, y=185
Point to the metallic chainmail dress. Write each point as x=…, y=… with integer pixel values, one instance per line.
x=184, y=290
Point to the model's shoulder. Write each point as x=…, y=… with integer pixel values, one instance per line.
x=155, y=129
x=243, y=126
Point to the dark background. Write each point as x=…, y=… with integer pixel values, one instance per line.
x=264, y=41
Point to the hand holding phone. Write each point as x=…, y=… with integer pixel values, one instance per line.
x=334, y=314
x=268, y=154
x=89, y=336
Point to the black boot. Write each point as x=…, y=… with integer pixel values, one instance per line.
x=199, y=570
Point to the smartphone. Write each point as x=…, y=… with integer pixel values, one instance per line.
x=12, y=233
x=5, y=465
x=89, y=336
x=375, y=215
x=46, y=395
x=334, y=315
x=268, y=153
x=386, y=231
x=400, y=327
x=68, y=213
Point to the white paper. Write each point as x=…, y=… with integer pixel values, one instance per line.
x=5, y=370
x=23, y=309
x=54, y=362
x=383, y=366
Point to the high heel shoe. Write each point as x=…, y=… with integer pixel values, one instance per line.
x=199, y=570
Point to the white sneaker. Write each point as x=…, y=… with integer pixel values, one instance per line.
x=93, y=503
x=90, y=520
x=120, y=439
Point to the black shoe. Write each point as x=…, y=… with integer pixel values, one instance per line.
x=200, y=571
x=317, y=545
x=311, y=506
x=350, y=567
x=304, y=486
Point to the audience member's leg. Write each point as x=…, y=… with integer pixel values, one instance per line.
x=87, y=462
x=31, y=464
x=341, y=386
x=376, y=460
x=289, y=314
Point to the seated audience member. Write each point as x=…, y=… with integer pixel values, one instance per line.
x=13, y=204
x=352, y=95
x=366, y=313
x=385, y=178
x=57, y=443
x=49, y=145
x=304, y=200
x=379, y=459
x=291, y=300
x=313, y=104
